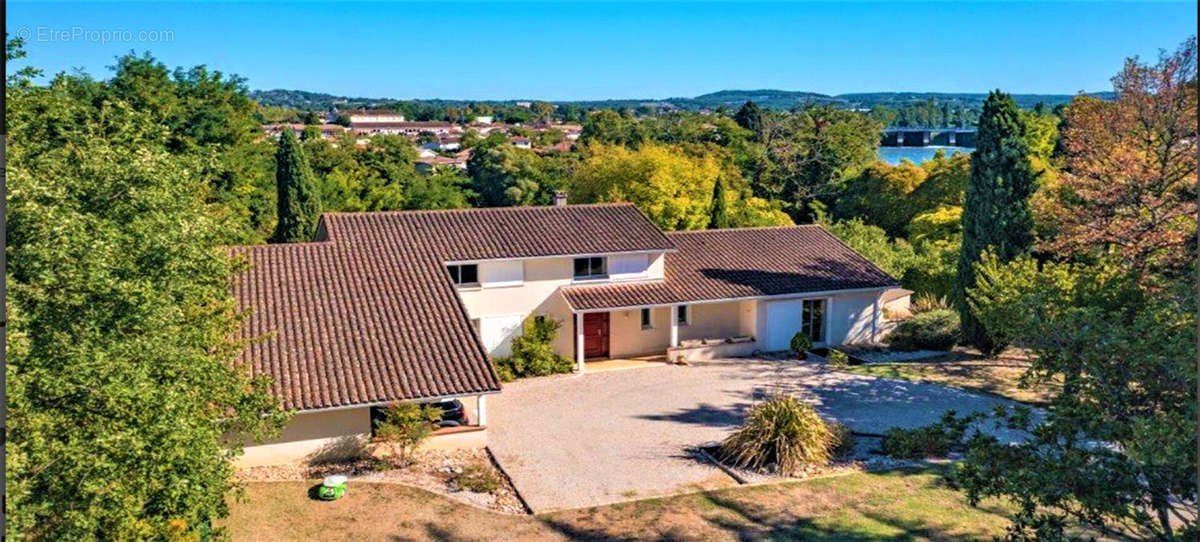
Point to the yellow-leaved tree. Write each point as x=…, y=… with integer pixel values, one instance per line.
x=673, y=187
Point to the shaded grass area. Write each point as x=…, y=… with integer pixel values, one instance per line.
x=1000, y=375
x=894, y=505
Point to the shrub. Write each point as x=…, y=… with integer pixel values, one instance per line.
x=533, y=352
x=478, y=477
x=780, y=431
x=934, y=330
x=404, y=426
x=841, y=442
x=928, y=302
x=837, y=358
x=934, y=440
x=801, y=343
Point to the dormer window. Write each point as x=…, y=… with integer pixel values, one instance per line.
x=466, y=274
x=590, y=268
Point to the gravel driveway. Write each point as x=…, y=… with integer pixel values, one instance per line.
x=575, y=441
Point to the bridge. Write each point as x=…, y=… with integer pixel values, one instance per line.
x=920, y=137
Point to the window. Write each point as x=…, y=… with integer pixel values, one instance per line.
x=681, y=315
x=590, y=268
x=646, y=323
x=812, y=319
x=465, y=274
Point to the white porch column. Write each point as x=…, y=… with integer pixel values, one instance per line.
x=482, y=411
x=875, y=319
x=579, y=341
x=674, y=316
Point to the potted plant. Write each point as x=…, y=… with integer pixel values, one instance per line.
x=800, y=345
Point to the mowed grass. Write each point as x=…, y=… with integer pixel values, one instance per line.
x=1000, y=375
x=860, y=506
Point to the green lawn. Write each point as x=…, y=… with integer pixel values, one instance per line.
x=998, y=375
x=859, y=506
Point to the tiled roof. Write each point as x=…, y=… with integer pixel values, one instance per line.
x=355, y=325
x=369, y=315
x=741, y=263
x=505, y=232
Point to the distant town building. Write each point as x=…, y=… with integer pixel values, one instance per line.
x=484, y=119
x=371, y=116
x=521, y=142
x=410, y=129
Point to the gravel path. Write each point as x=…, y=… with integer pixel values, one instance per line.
x=577, y=441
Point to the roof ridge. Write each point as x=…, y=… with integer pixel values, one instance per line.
x=507, y=208
x=746, y=228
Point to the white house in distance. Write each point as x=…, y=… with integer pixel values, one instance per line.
x=371, y=116
x=410, y=305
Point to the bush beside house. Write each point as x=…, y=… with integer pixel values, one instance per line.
x=936, y=329
x=533, y=352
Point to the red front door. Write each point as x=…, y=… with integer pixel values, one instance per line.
x=595, y=335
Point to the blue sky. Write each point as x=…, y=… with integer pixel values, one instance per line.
x=593, y=50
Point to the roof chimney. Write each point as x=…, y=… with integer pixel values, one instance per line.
x=560, y=198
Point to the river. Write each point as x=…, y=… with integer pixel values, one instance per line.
x=893, y=155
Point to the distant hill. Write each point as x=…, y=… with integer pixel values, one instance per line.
x=732, y=99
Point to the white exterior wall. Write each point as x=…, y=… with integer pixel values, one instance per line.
x=312, y=437
x=537, y=294
x=849, y=318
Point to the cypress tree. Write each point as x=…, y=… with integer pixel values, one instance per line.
x=720, y=207
x=996, y=216
x=299, y=203
x=749, y=117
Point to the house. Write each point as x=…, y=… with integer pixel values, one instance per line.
x=409, y=305
x=521, y=142
x=484, y=119
x=371, y=116
x=409, y=129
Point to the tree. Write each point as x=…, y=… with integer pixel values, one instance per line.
x=1129, y=179
x=405, y=425
x=879, y=195
x=811, y=152
x=1116, y=449
x=996, y=216
x=750, y=118
x=298, y=203
x=720, y=207
x=125, y=399
x=503, y=175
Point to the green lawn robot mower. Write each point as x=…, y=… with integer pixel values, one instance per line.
x=332, y=488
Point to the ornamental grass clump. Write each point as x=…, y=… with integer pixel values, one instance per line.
x=780, y=434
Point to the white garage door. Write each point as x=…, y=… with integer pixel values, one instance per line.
x=783, y=321
x=497, y=333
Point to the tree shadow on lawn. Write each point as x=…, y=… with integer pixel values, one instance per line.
x=721, y=514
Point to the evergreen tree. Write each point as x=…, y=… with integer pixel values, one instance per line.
x=749, y=117
x=996, y=217
x=299, y=203
x=720, y=207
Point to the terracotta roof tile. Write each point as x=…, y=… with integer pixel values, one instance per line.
x=740, y=263
x=369, y=315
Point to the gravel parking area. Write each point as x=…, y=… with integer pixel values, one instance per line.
x=576, y=441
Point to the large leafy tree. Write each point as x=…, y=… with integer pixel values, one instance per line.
x=1116, y=450
x=503, y=175
x=1129, y=178
x=996, y=216
x=298, y=199
x=811, y=152
x=125, y=403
